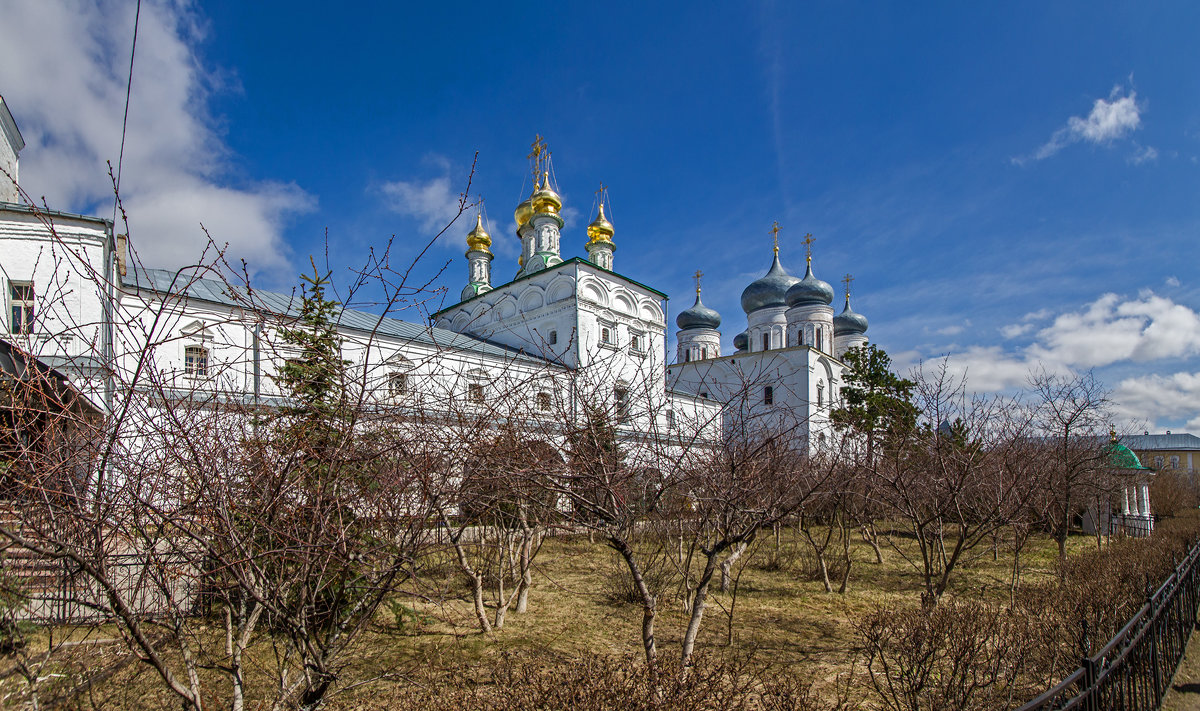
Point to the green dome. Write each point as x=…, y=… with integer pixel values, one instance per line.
x=1122, y=457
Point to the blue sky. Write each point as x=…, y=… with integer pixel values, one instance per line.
x=1012, y=185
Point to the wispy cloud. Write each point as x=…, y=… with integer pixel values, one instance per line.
x=1109, y=120
x=63, y=69
x=1111, y=330
x=435, y=203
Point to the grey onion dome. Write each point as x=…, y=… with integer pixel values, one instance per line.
x=699, y=316
x=770, y=290
x=810, y=290
x=849, y=322
x=741, y=341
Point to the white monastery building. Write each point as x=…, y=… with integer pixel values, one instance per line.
x=561, y=338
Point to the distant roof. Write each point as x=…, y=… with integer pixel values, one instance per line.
x=1162, y=441
x=211, y=290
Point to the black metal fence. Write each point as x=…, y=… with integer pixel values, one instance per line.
x=1134, y=669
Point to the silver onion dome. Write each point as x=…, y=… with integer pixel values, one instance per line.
x=699, y=316
x=810, y=290
x=741, y=341
x=770, y=290
x=849, y=322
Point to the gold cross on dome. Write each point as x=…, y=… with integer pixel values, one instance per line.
x=808, y=243
x=538, y=149
x=846, y=280
x=600, y=195
x=775, y=235
x=698, y=274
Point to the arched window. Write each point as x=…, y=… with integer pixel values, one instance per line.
x=820, y=393
x=768, y=395
x=687, y=356
x=819, y=343
x=703, y=353
x=766, y=341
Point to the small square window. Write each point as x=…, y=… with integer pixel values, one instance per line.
x=195, y=361
x=397, y=384
x=475, y=392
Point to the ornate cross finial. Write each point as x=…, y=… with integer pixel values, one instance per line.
x=600, y=193
x=808, y=243
x=697, y=275
x=775, y=235
x=847, y=280
x=538, y=148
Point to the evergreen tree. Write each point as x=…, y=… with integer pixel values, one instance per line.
x=877, y=402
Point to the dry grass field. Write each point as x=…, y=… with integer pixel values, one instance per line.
x=781, y=616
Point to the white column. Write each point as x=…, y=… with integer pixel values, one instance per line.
x=1125, y=505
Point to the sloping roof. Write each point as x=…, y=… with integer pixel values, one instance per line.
x=165, y=281
x=1161, y=441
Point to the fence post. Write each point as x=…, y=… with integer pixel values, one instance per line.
x=1153, y=638
x=1089, y=667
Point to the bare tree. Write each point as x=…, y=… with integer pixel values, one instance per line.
x=1072, y=418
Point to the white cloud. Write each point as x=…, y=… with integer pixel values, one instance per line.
x=1110, y=119
x=1144, y=155
x=1110, y=330
x=1158, y=398
x=63, y=68
x=1172, y=281
x=1016, y=330
x=434, y=203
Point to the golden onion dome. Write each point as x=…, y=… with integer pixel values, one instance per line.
x=523, y=212
x=601, y=230
x=545, y=199
x=478, y=239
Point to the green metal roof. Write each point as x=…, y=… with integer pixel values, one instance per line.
x=1122, y=457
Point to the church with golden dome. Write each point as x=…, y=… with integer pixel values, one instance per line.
x=786, y=371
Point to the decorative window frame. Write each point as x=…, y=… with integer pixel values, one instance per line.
x=609, y=327
x=196, y=335
x=639, y=342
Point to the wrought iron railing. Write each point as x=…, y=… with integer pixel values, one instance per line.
x=1134, y=669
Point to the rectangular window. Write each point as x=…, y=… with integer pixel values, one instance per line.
x=553, y=337
x=766, y=339
x=768, y=395
x=543, y=401
x=670, y=419
x=1158, y=462
x=621, y=396
x=1174, y=462
x=475, y=392
x=195, y=361
x=606, y=335
x=397, y=384
x=21, y=296
x=687, y=356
